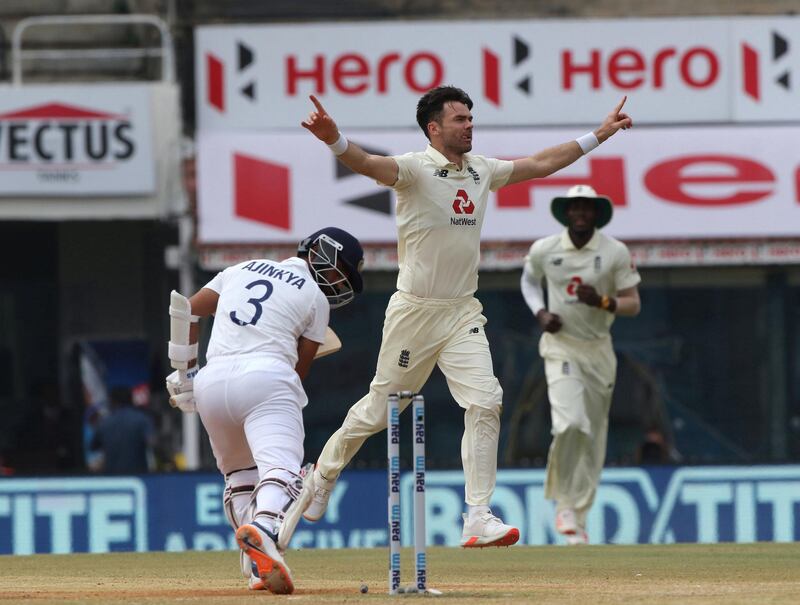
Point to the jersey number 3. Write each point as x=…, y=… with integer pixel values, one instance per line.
x=256, y=302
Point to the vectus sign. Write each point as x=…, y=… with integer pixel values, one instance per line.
x=56, y=133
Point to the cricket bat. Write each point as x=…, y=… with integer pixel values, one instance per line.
x=331, y=344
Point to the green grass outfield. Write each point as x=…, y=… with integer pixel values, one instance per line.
x=721, y=573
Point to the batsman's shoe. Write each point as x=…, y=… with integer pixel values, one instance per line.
x=485, y=529
x=292, y=515
x=566, y=523
x=322, y=493
x=259, y=544
x=250, y=572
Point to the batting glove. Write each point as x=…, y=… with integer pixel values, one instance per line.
x=180, y=386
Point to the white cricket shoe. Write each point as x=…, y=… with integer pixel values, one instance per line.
x=259, y=544
x=566, y=523
x=322, y=493
x=292, y=515
x=249, y=571
x=484, y=529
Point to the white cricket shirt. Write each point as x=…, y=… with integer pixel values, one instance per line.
x=440, y=212
x=264, y=307
x=603, y=262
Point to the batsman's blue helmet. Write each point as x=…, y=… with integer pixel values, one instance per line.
x=327, y=249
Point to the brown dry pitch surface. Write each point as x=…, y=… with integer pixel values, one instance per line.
x=692, y=574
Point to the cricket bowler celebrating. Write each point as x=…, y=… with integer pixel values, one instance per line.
x=434, y=318
x=590, y=280
x=271, y=318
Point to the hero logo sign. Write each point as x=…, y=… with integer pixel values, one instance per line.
x=462, y=204
x=751, y=73
x=630, y=68
x=215, y=76
x=491, y=71
x=355, y=73
x=695, y=180
x=262, y=191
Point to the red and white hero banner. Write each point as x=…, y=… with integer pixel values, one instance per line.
x=64, y=141
x=699, y=70
x=666, y=183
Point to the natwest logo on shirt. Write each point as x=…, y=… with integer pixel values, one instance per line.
x=462, y=204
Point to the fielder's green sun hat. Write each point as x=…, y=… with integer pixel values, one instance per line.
x=604, y=207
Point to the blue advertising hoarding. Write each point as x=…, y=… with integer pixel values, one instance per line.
x=177, y=512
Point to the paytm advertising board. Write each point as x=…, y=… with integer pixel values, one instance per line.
x=184, y=511
x=66, y=141
x=698, y=70
x=666, y=183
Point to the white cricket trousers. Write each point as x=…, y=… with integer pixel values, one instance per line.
x=252, y=408
x=418, y=334
x=580, y=384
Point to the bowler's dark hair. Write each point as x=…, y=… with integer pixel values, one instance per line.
x=431, y=105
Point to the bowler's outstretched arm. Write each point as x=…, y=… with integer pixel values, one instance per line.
x=378, y=167
x=553, y=159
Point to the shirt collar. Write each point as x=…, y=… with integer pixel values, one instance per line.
x=442, y=161
x=592, y=244
x=298, y=262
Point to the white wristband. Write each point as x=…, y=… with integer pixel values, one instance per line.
x=587, y=142
x=340, y=146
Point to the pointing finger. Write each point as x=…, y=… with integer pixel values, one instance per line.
x=620, y=104
x=317, y=104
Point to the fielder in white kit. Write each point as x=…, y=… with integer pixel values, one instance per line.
x=271, y=318
x=590, y=280
x=434, y=318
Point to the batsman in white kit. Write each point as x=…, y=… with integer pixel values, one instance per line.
x=271, y=321
x=434, y=317
x=590, y=280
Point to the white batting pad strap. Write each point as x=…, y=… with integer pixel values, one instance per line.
x=178, y=313
x=182, y=353
x=180, y=317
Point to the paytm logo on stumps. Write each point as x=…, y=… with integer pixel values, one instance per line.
x=64, y=516
x=730, y=504
x=625, y=506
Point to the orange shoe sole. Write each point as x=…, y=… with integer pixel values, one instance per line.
x=275, y=576
x=512, y=537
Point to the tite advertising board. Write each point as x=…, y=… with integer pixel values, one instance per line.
x=177, y=512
